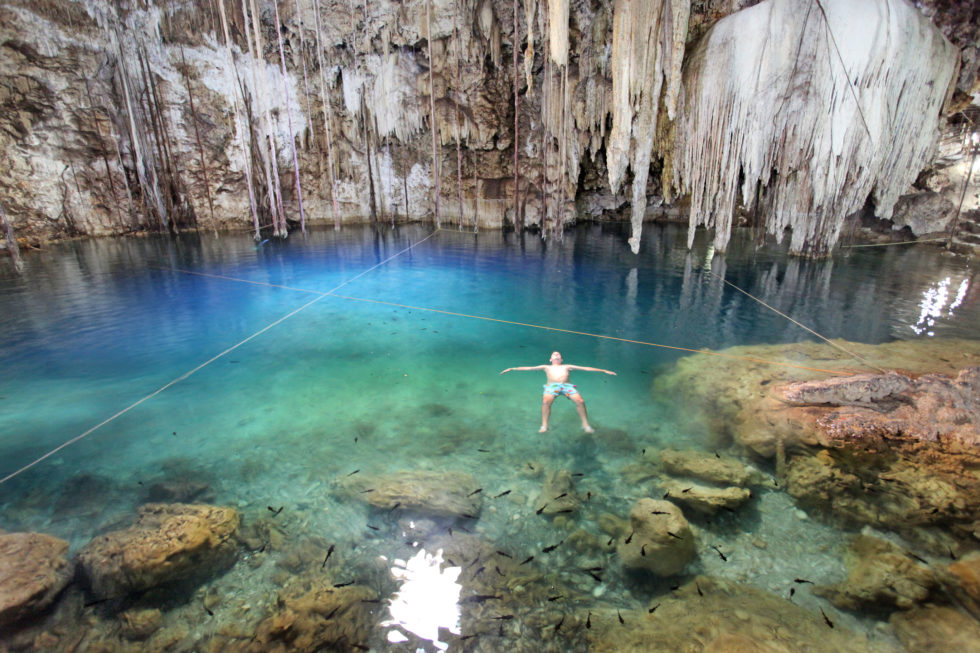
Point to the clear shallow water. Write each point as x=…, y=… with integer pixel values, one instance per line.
x=92, y=328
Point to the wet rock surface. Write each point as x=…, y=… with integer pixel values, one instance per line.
x=881, y=576
x=660, y=541
x=33, y=569
x=433, y=493
x=936, y=630
x=705, y=499
x=168, y=543
x=709, y=614
x=704, y=466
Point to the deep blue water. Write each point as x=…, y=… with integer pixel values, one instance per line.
x=94, y=328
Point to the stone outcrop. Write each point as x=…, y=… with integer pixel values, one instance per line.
x=33, y=571
x=936, y=629
x=880, y=576
x=558, y=494
x=168, y=543
x=660, y=539
x=449, y=494
x=718, y=616
x=705, y=499
x=713, y=468
x=313, y=615
x=961, y=579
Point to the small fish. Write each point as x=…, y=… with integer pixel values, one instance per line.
x=530, y=466
x=483, y=450
x=354, y=472
x=451, y=562
x=593, y=569
x=555, y=598
x=370, y=600
x=139, y=482
x=466, y=515
x=475, y=560
x=503, y=617
x=577, y=474
x=716, y=455
x=630, y=538
x=609, y=543
x=397, y=505
x=659, y=512
x=925, y=562
x=504, y=554
x=541, y=509
x=350, y=582
x=373, y=528
x=262, y=550
x=560, y=622
x=560, y=496
x=478, y=571
x=466, y=637
x=588, y=496
x=450, y=531
x=728, y=509
x=675, y=588
x=934, y=511
x=89, y=604
x=329, y=553
x=479, y=598
x=530, y=558
x=502, y=494
x=175, y=432
x=643, y=550
x=952, y=556
x=274, y=511
x=686, y=490
x=666, y=494
x=643, y=451
x=826, y=618
x=620, y=617
x=653, y=609
x=588, y=620
x=676, y=537
x=698, y=587
x=370, y=489
x=549, y=549
x=595, y=577
x=792, y=591
x=567, y=511
x=497, y=569
x=208, y=610
x=476, y=491
x=355, y=439
x=718, y=551
x=802, y=580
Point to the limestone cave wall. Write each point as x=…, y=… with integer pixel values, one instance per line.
x=135, y=115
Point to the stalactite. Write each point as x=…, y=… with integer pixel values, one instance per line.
x=530, y=9
x=327, y=119
x=647, y=49
x=545, y=133
x=246, y=152
x=12, y=247
x=459, y=151
x=302, y=56
x=289, y=119
x=432, y=110
x=518, y=219
x=794, y=136
x=197, y=137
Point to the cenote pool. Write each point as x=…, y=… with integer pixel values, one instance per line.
x=291, y=381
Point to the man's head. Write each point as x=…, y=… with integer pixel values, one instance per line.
x=556, y=358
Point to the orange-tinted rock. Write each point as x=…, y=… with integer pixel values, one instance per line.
x=33, y=570
x=937, y=630
x=168, y=543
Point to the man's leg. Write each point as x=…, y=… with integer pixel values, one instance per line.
x=546, y=411
x=580, y=407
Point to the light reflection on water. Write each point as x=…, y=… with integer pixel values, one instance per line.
x=934, y=300
x=427, y=598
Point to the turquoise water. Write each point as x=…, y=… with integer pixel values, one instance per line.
x=293, y=388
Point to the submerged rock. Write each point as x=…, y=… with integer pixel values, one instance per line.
x=137, y=625
x=447, y=494
x=660, y=541
x=880, y=575
x=313, y=615
x=704, y=499
x=718, y=616
x=167, y=543
x=33, y=571
x=937, y=630
x=962, y=580
x=558, y=494
x=708, y=467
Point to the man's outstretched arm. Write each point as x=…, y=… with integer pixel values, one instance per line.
x=589, y=369
x=524, y=369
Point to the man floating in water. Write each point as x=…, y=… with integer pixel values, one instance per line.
x=558, y=373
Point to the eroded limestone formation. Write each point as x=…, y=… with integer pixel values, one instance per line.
x=34, y=568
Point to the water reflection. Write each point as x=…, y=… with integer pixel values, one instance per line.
x=427, y=600
x=934, y=300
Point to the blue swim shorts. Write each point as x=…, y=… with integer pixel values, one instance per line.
x=555, y=389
